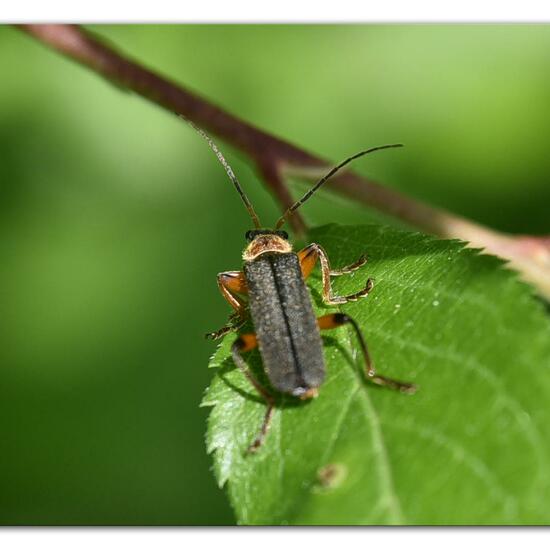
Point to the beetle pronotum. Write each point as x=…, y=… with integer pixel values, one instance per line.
x=287, y=332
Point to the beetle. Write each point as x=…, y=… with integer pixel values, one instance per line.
x=271, y=288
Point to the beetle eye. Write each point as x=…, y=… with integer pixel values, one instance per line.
x=284, y=235
x=248, y=235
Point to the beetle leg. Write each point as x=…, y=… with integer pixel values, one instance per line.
x=334, y=320
x=230, y=284
x=360, y=262
x=247, y=342
x=235, y=322
x=308, y=257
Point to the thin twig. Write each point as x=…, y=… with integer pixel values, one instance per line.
x=276, y=159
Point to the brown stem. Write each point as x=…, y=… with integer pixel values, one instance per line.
x=265, y=150
x=276, y=158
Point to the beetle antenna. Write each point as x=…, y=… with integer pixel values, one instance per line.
x=299, y=203
x=229, y=171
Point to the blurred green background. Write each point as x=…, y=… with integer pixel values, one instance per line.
x=115, y=218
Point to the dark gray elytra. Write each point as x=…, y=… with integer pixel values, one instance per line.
x=285, y=324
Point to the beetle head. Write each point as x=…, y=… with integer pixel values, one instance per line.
x=265, y=240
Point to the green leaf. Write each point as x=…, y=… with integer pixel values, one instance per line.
x=471, y=446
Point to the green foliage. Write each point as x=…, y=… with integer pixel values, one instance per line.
x=471, y=446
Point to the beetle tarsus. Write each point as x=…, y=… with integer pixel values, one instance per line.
x=361, y=294
x=360, y=262
x=219, y=333
x=340, y=300
x=236, y=321
x=403, y=387
x=259, y=441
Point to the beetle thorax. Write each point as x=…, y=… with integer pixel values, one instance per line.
x=266, y=243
